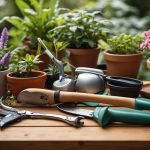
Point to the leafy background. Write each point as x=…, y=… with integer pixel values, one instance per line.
x=128, y=16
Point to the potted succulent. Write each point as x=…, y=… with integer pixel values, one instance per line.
x=5, y=56
x=23, y=75
x=123, y=55
x=81, y=30
x=36, y=22
x=145, y=45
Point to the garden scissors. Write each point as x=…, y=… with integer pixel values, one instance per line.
x=10, y=114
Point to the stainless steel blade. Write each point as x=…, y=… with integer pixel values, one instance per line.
x=76, y=110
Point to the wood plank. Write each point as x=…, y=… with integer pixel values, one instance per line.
x=75, y=134
x=76, y=145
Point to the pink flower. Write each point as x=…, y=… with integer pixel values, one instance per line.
x=147, y=33
x=146, y=43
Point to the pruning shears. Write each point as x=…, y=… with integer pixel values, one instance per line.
x=10, y=114
x=107, y=115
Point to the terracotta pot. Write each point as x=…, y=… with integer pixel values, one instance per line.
x=3, y=83
x=148, y=64
x=123, y=65
x=45, y=59
x=16, y=85
x=83, y=57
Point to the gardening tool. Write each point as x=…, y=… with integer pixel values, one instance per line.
x=122, y=81
x=86, y=82
x=43, y=96
x=107, y=115
x=11, y=114
x=65, y=83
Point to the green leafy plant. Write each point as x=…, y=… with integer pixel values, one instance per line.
x=125, y=44
x=26, y=64
x=80, y=29
x=36, y=20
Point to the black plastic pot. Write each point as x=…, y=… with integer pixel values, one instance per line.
x=50, y=80
x=124, y=81
x=124, y=91
x=101, y=66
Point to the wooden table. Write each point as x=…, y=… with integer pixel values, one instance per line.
x=49, y=134
x=29, y=134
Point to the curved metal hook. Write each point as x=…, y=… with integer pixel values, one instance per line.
x=57, y=62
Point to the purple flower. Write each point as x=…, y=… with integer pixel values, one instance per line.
x=5, y=59
x=4, y=38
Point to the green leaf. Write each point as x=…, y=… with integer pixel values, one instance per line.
x=16, y=21
x=39, y=49
x=30, y=12
x=35, y=4
x=53, y=6
x=27, y=57
x=22, y=5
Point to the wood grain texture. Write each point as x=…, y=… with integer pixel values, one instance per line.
x=75, y=134
x=75, y=145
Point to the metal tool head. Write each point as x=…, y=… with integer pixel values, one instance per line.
x=75, y=121
x=57, y=62
x=32, y=97
x=75, y=110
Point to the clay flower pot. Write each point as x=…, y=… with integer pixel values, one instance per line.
x=123, y=65
x=148, y=63
x=3, y=83
x=84, y=57
x=17, y=84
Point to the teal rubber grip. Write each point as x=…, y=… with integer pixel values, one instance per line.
x=142, y=103
x=106, y=115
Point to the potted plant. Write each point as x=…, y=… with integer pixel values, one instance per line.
x=23, y=75
x=123, y=55
x=145, y=45
x=81, y=30
x=5, y=56
x=52, y=76
x=36, y=22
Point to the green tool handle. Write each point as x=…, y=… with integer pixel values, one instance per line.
x=106, y=115
x=142, y=103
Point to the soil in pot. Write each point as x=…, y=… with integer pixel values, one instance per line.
x=83, y=57
x=17, y=83
x=123, y=65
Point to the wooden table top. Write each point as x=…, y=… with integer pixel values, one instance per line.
x=43, y=134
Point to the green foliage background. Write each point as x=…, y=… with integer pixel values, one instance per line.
x=128, y=16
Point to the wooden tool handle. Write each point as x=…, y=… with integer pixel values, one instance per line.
x=42, y=96
x=85, y=97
